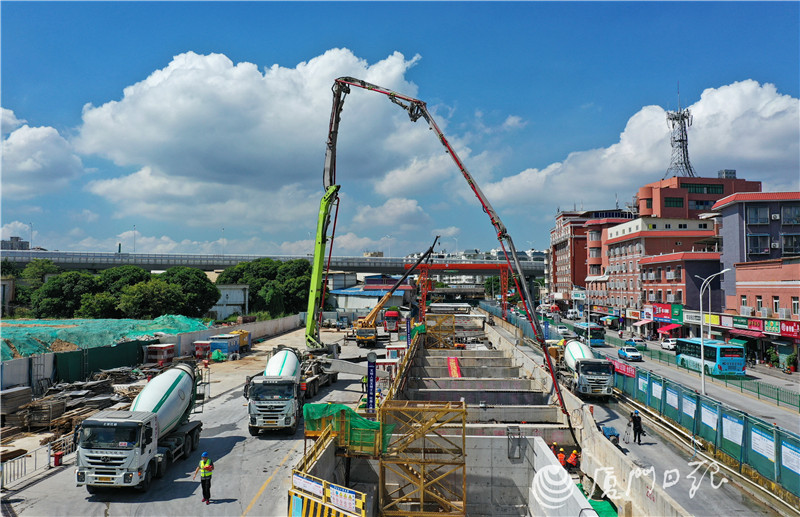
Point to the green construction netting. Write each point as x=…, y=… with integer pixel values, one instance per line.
x=603, y=507
x=361, y=430
x=22, y=338
x=419, y=329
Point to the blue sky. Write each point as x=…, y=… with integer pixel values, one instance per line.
x=186, y=118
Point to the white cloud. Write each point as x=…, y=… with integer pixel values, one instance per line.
x=9, y=121
x=513, y=122
x=405, y=214
x=147, y=193
x=17, y=229
x=450, y=231
x=746, y=126
x=86, y=216
x=36, y=161
x=202, y=117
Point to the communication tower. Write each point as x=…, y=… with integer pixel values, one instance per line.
x=679, y=123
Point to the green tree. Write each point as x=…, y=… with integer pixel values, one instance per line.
x=200, y=293
x=147, y=300
x=36, y=270
x=99, y=305
x=273, y=300
x=8, y=268
x=115, y=279
x=60, y=296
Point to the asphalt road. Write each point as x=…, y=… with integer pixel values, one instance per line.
x=251, y=475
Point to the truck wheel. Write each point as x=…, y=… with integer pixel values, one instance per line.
x=253, y=430
x=144, y=486
x=334, y=378
x=91, y=489
x=161, y=469
x=195, y=439
x=187, y=447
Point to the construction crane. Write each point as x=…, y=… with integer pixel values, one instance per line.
x=417, y=109
x=366, y=330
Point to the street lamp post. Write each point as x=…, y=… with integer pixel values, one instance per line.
x=706, y=284
x=134, y=238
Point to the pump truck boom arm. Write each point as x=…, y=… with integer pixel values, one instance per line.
x=315, y=296
x=369, y=319
x=418, y=109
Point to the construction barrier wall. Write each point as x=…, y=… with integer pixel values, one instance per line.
x=184, y=343
x=747, y=443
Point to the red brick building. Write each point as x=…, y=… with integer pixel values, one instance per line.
x=682, y=197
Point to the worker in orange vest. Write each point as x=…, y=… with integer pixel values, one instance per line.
x=561, y=457
x=554, y=448
x=572, y=461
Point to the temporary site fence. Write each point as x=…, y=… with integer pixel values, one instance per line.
x=35, y=461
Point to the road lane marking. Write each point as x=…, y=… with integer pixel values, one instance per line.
x=268, y=481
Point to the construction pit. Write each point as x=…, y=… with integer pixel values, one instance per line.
x=472, y=431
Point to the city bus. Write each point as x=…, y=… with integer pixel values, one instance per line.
x=720, y=358
x=596, y=333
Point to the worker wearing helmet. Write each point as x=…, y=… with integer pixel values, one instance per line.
x=638, y=431
x=205, y=468
x=572, y=461
x=562, y=457
x=554, y=448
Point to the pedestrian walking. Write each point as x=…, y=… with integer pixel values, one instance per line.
x=636, y=421
x=206, y=467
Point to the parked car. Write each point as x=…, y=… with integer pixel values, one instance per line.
x=669, y=344
x=629, y=353
x=635, y=341
x=562, y=329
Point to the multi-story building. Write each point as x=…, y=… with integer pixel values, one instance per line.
x=682, y=197
x=15, y=243
x=568, y=250
x=756, y=226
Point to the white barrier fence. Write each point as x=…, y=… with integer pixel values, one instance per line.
x=44, y=457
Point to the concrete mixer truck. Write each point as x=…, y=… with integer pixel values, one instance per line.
x=130, y=448
x=581, y=372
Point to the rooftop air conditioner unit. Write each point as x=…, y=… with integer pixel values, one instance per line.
x=776, y=217
x=776, y=245
x=766, y=312
x=746, y=310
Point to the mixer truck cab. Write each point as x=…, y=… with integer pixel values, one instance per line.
x=585, y=374
x=275, y=398
x=130, y=448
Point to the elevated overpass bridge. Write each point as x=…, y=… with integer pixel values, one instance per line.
x=94, y=262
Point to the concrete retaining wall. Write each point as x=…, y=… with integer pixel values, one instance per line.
x=476, y=396
x=481, y=372
x=458, y=383
x=185, y=342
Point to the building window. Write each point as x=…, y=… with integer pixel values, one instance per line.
x=652, y=226
x=758, y=244
x=796, y=305
x=682, y=226
x=759, y=303
x=699, y=188
x=673, y=202
x=659, y=295
x=696, y=204
x=791, y=243
x=679, y=296
x=678, y=273
x=757, y=215
x=744, y=300
x=790, y=214
x=667, y=226
x=648, y=203
x=702, y=225
x=776, y=304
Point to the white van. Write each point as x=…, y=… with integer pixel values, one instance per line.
x=572, y=314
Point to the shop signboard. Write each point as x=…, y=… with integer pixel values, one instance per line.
x=790, y=329
x=726, y=321
x=647, y=313
x=739, y=322
x=753, y=324
x=691, y=317
x=772, y=326
x=633, y=315
x=677, y=313
x=662, y=312
x=711, y=319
